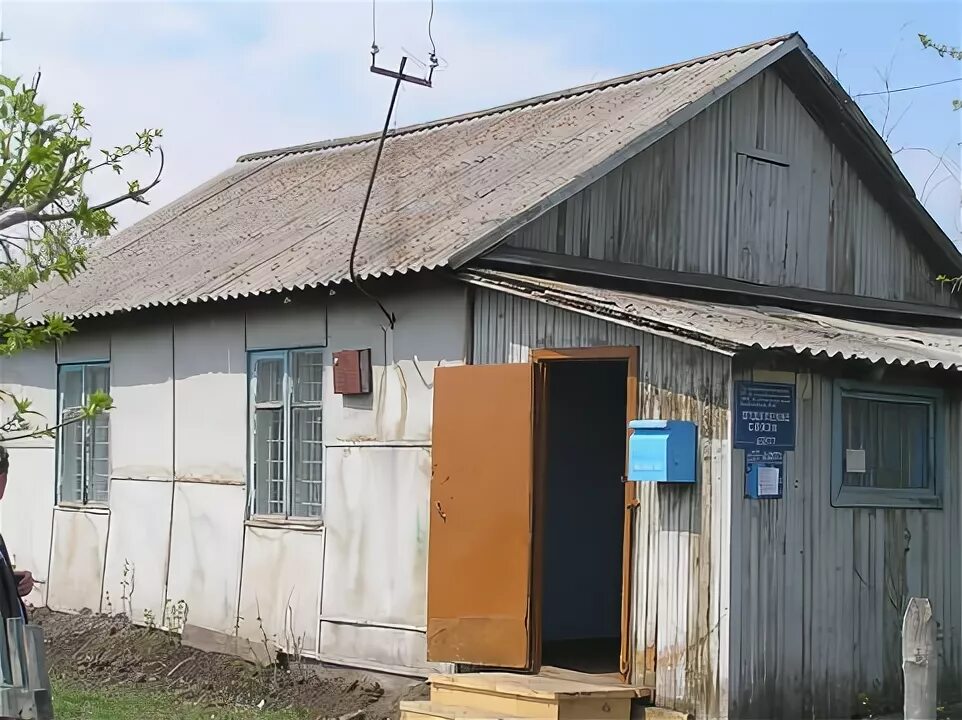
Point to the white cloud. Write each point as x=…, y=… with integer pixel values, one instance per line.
x=296, y=72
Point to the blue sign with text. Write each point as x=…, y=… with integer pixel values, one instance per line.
x=764, y=416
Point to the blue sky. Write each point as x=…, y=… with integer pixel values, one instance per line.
x=224, y=78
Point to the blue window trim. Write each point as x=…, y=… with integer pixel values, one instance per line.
x=57, y=459
x=849, y=496
x=283, y=354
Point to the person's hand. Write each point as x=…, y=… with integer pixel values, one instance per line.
x=24, y=583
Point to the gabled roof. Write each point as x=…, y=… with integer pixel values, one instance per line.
x=446, y=191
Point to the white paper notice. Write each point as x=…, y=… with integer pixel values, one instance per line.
x=767, y=481
x=854, y=461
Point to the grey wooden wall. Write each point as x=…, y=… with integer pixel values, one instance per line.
x=818, y=593
x=751, y=188
x=680, y=586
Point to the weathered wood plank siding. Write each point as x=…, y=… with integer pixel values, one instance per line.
x=681, y=548
x=794, y=214
x=818, y=593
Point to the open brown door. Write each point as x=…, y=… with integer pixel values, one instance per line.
x=479, y=551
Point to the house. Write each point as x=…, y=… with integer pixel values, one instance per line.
x=725, y=242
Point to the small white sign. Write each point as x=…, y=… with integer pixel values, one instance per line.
x=767, y=481
x=854, y=461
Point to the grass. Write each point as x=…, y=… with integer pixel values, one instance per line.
x=74, y=703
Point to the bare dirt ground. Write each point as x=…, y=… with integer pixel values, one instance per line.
x=96, y=651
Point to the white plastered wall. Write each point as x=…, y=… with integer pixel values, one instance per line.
x=351, y=590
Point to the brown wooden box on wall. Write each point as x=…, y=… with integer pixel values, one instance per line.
x=352, y=372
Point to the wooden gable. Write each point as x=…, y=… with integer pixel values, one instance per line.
x=752, y=189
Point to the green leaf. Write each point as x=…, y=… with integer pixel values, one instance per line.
x=50, y=156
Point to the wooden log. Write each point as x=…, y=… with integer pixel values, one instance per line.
x=920, y=660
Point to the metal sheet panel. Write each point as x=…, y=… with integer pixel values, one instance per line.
x=375, y=563
x=680, y=611
x=142, y=388
x=696, y=202
x=287, y=323
x=210, y=414
x=730, y=328
x=376, y=647
x=205, y=552
x=32, y=375
x=77, y=560
x=281, y=221
x=84, y=347
x=26, y=514
x=480, y=544
x=431, y=331
x=818, y=593
x=135, y=575
x=280, y=588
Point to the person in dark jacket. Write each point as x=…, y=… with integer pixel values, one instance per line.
x=14, y=585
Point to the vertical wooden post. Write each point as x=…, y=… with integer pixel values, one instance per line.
x=920, y=660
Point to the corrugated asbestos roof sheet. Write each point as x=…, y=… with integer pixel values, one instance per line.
x=730, y=328
x=285, y=219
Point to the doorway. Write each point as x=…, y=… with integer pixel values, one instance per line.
x=581, y=528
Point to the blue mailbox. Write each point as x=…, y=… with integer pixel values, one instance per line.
x=662, y=451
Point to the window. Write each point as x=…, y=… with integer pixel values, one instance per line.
x=84, y=445
x=886, y=447
x=287, y=451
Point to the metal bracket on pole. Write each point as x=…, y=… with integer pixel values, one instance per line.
x=400, y=74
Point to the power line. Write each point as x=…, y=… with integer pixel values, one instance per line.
x=434, y=49
x=912, y=87
x=398, y=77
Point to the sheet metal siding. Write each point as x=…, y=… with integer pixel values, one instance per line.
x=680, y=610
x=682, y=532
x=286, y=222
x=694, y=202
x=506, y=329
x=818, y=593
x=352, y=592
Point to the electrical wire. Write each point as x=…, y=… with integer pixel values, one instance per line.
x=374, y=47
x=912, y=87
x=367, y=197
x=434, y=50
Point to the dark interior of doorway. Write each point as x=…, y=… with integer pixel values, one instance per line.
x=583, y=514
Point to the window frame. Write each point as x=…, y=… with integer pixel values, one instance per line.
x=844, y=496
x=84, y=501
x=287, y=404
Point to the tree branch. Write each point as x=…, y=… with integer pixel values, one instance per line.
x=12, y=216
x=136, y=195
x=17, y=179
x=55, y=184
x=46, y=430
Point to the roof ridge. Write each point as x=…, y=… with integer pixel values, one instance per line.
x=516, y=105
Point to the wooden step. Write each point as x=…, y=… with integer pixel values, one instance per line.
x=533, y=696
x=429, y=710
